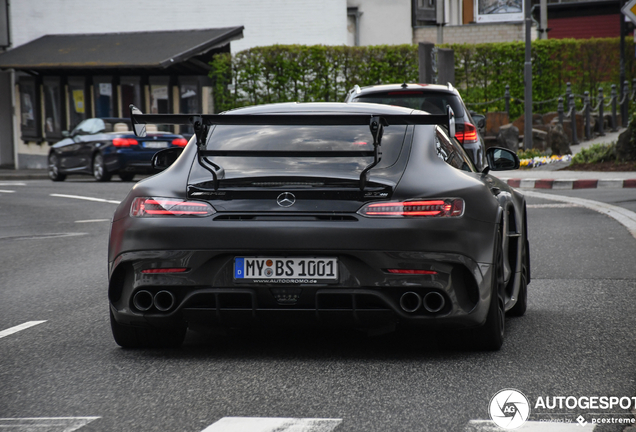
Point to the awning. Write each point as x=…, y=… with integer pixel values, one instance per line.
x=185, y=51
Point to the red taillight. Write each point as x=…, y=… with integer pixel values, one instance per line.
x=469, y=134
x=181, y=142
x=124, y=142
x=416, y=272
x=453, y=207
x=149, y=207
x=165, y=270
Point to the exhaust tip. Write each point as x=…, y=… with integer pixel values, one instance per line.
x=410, y=302
x=143, y=300
x=434, y=302
x=164, y=301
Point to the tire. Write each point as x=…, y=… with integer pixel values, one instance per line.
x=490, y=336
x=126, y=176
x=142, y=337
x=99, y=169
x=54, y=168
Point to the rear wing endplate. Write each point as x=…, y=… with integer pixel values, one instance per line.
x=201, y=124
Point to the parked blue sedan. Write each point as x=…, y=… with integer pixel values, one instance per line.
x=106, y=146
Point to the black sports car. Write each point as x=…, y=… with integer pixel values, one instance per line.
x=361, y=215
x=105, y=146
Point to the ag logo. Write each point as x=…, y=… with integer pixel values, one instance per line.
x=509, y=409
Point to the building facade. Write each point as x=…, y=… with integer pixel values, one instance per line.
x=62, y=61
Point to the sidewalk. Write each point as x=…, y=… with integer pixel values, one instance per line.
x=9, y=174
x=548, y=176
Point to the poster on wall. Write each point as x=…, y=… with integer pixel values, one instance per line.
x=489, y=11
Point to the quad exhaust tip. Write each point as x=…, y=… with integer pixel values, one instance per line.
x=164, y=301
x=143, y=300
x=434, y=302
x=410, y=302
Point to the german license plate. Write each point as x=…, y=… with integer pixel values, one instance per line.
x=285, y=270
x=156, y=144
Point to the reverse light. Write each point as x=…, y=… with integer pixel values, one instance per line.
x=157, y=207
x=124, y=142
x=181, y=142
x=415, y=272
x=469, y=134
x=451, y=207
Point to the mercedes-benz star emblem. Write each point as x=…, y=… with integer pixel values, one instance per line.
x=286, y=199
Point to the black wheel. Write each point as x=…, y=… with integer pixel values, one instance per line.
x=141, y=337
x=490, y=336
x=54, y=168
x=125, y=176
x=99, y=169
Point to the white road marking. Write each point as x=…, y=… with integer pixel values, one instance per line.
x=18, y=328
x=529, y=426
x=85, y=198
x=273, y=424
x=92, y=220
x=552, y=205
x=6, y=191
x=12, y=184
x=623, y=216
x=49, y=424
x=44, y=236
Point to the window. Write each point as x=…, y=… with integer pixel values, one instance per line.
x=104, y=97
x=30, y=122
x=160, y=98
x=77, y=99
x=189, y=99
x=130, y=94
x=53, y=114
x=451, y=152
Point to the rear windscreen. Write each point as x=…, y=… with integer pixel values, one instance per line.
x=301, y=138
x=431, y=102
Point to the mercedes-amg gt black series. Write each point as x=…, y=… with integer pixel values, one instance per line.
x=361, y=215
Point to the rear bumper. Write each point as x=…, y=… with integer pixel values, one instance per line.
x=365, y=297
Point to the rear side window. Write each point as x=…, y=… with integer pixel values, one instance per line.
x=302, y=138
x=452, y=153
x=430, y=101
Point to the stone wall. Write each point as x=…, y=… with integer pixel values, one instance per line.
x=473, y=33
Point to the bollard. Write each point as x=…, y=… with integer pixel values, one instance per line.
x=507, y=97
x=601, y=115
x=560, y=111
x=614, y=129
x=568, y=91
x=573, y=119
x=588, y=116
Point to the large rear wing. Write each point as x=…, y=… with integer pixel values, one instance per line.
x=201, y=124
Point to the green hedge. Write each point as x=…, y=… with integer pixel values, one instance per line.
x=282, y=73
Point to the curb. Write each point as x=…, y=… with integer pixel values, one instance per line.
x=570, y=183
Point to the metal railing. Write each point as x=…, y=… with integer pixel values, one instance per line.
x=587, y=111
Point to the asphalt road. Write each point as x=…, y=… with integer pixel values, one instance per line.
x=578, y=338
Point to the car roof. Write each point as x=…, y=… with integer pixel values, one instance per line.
x=323, y=108
x=405, y=87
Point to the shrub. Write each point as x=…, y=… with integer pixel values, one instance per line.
x=283, y=73
x=595, y=154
